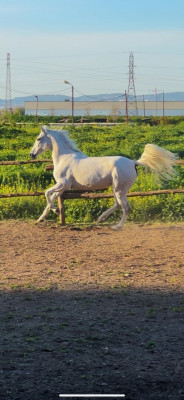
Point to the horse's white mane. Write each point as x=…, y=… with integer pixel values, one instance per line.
x=64, y=135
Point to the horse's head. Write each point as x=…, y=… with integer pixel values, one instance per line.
x=42, y=143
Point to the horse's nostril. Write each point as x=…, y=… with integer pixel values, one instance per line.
x=32, y=155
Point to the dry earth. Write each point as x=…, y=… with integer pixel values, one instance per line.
x=90, y=310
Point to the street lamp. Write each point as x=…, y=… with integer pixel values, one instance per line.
x=68, y=83
x=144, y=101
x=163, y=105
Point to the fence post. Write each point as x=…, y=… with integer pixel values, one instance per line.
x=61, y=210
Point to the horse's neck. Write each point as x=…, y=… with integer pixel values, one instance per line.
x=59, y=148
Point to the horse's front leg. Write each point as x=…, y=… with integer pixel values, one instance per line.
x=47, y=209
x=51, y=195
x=55, y=191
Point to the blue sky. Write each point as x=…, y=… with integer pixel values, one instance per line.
x=88, y=43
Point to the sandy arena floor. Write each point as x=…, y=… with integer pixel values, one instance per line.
x=91, y=310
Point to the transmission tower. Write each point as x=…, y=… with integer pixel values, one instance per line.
x=8, y=84
x=131, y=95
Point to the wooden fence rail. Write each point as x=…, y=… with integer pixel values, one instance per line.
x=24, y=162
x=91, y=194
x=50, y=166
x=73, y=194
x=81, y=194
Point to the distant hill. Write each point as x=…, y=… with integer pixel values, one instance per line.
x=19, y=101
x=173, y=96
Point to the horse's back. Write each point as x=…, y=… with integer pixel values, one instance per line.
x=100, y=172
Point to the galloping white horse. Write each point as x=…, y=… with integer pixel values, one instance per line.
x=75, y=170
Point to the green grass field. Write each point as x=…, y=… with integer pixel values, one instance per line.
x=127, y=140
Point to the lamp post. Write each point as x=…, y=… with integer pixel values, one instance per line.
x=36, y=106
x=68, y=83
x=144, y=106
x=163, y=106
x=126, y=106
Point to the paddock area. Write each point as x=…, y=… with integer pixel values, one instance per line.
x=85, y=309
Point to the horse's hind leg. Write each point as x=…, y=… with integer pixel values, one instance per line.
x=123, y=202
x=108, y=212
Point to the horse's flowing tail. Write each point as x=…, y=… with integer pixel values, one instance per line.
x=159, y=160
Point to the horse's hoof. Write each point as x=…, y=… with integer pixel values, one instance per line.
x=117, y=227
x=55, y=210
x=39, y=220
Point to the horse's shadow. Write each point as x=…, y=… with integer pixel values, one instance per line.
x=87, y=341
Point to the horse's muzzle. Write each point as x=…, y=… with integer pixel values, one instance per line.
x=32, y=155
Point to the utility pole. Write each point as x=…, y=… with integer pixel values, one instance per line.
x=126, y=106
x=132, y=100
x=36, y=114
x=156, y=102
x=8, y=85
x=144, y=106
x=163, y=106
x=68, y=83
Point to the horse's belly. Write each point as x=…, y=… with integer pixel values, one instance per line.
x=93, y=173
x=92, y=184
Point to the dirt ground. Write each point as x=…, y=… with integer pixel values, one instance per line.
x=90, y=310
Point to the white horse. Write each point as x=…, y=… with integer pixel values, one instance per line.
x=75, y=170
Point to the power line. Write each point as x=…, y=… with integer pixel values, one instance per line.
x=101, y=100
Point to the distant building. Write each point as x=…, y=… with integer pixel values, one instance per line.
x=87, y=108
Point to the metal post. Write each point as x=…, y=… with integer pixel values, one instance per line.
x=156, y=102
x=126, y=106
x=36, y=106
x=163, y=106
x=144, y=106
x=68, y=83
x=72, y=104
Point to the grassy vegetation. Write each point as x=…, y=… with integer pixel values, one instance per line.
x=127, y=140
